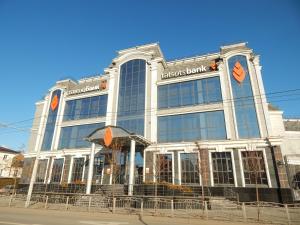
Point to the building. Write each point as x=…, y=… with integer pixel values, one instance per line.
x=206, y=117
x=289, y=129
x=9, y=169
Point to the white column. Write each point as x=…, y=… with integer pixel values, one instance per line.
x=153, y=101
x=91, y=165
x=131, y=167
x=32, y=180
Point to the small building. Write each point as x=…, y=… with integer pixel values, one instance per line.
x=7, y=167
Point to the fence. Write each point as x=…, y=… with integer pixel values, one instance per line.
x=212, y=208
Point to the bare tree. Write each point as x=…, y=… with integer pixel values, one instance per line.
x=201, y=171
x=16, y=165
x=252, y=164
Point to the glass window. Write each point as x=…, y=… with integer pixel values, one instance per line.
x=131, y=100
x=254, y=167
x=245, y=111
x=98, y=167
x=192, y=127
x=86, y=108
x=57, y=170
x=189, y=168
x=222, y=168
x=51, y=120
x=187, y=93
x=163, y=168
x=41, y=171
x=77, y=170
x=73, y=136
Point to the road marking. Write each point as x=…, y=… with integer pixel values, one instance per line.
x=102, y=223
x=11, y=223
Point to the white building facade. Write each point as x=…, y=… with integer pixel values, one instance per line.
x=206, y=116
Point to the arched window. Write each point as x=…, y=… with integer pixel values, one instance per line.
x=131, y=100
x=243, y=98
x=51, y=120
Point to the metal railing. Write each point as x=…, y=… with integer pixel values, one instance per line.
x=210, y=208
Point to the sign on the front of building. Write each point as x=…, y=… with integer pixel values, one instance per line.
x=99, y=87
x=190, y=71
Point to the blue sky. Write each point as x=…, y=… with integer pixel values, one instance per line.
x=44, y=41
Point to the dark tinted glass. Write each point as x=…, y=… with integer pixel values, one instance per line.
x=131, y=99
x=245, y=111
x=192, y=127
x=187, y=93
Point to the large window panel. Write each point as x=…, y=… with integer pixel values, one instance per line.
x=73, y=136
x=245, y=111
x=41, y=171
x=57, y=170
x=131, y=98
x=222, y=168
x=51, y=120
x=192, y=127
x=189, y=168
x=163, y=168
x=77, y=170
x=85, y=108
x=188, y=93
x=254, y=167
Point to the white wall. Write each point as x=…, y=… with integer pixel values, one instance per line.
x=5, y=166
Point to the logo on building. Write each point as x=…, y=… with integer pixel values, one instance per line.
x=238, y=72
x=108, y=136
x=54, y=103
x=99, y=87
x=103, y=84
x=190, y=71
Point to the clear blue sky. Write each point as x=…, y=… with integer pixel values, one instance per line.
x=44, y=41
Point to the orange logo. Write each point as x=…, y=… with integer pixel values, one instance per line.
x=54, y=103
x=213, y=66
x=238, y=72
x=103, y=84
x=108, y=136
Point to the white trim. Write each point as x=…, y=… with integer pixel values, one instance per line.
x=42, y=126
x=226, y=62
x=198, y=76
x=86, y=95
x=147, y=74
x=59, y=120
x=266, y=166
x=192, y=109
x=70, y=170
x=256, y=103
x=212, y=183
x=242, y=167
x=233, y=167
x=81, y=123
x=226, y=105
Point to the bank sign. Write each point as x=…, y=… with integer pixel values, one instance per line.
x=99, y=87
x=189, y=71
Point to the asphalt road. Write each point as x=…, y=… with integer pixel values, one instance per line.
x=21, y=216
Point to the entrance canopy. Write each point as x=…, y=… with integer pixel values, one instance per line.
x=118, y=135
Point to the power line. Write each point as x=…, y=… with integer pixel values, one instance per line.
x=151, y=110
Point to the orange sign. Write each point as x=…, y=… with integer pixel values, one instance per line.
x=103, y=84
x=108, y=136
x=238, y=72
x=54, y=103
x=213, y=66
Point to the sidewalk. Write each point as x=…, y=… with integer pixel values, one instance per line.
x=21, y=216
